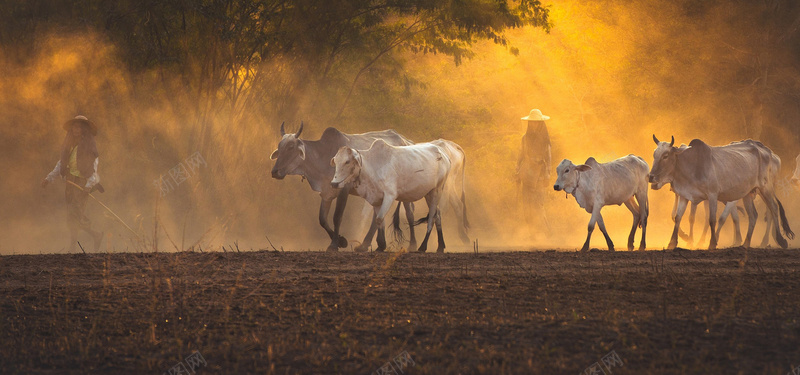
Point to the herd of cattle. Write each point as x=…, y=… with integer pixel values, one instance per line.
x=383, y=167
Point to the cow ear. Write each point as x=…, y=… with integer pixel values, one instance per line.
x=274, y=154
x=333, y=164
x=682, y=150
x=302, y=149
x=583, y=168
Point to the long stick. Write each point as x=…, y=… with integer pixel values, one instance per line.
x=106, y=207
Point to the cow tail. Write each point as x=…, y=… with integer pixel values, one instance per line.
x=464, y=206
x=463, y=188
x=397, y=232
x=784, y=222
x=421, y=220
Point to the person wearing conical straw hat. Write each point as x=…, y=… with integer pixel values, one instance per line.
x=533, y=166
x=78, y=165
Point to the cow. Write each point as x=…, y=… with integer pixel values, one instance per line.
x=726, y=174
x=730, y=208
x=310, y=159
x=385, y=173
x=595, y=185
x=453, y=196
x=689, y=238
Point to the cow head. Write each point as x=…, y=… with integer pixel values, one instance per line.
x=348, y=167
x=290, y=154
x=665, y=157
x=569, y=176
x=796, y=176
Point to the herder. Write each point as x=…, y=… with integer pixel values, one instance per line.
x=78, y=164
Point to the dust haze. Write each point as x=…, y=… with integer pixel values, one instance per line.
x=609, y=74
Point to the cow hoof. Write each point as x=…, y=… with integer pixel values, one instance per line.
x=332, y=248
x=672, y=245
x=440, y=250
x=380, y=249
x=412, y=246
x=342, y=241
x=422, y=250
x=642, y=247
x=585, y=249
x=361, y=249
x=611, y=249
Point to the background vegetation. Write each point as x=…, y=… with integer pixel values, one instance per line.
x=165, y=79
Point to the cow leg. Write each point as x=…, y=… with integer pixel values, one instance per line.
x=380, y=214
x=737, y=233
x=432, y=209
x=712, y=221
x=595, y=216
x=409, y=207
x=765, y=240
x=439, y=249
x=682, y=202
x=644, y=214
x=722, y=218
x=752, y=217
x=602, y=226
x=324, y=209
x=681, y=233
x=635, y=210
x=364, y=246
x=381, y=237
x=705, y=227
x=692, y=212
x=338, y=212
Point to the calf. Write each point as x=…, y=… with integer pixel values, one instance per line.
x=595, y=185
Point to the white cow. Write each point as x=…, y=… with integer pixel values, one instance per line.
x=453, y=195
x=385, y=173
x=595, y=185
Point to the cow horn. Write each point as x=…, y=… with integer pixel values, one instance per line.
x=672, y=142
x=300, y=130
x=283, y=132
x=655, y=139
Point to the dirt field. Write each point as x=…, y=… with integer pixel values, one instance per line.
x=662, y=312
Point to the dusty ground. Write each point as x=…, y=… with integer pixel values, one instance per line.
x=674, y=312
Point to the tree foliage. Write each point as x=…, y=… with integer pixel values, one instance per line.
x=221, y=46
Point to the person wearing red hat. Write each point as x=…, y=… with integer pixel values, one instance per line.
x=78, y=164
